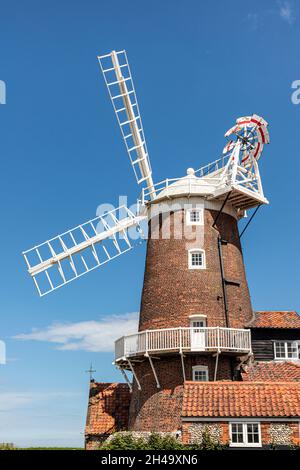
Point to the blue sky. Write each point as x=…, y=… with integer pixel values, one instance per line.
x=197, y=66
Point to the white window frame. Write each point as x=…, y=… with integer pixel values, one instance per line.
x=200, y=369
x=188, y=216
x=198, y=318
x=196, y=250
x=245, y=442
x=286, y=357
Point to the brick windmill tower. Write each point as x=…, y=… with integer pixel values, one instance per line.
x=195, y=299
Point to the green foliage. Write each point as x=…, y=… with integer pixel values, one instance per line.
x=51, y=448
x=7, y=446
x=123, y=442
x=11, y=446
x=154, y=442
x=294, y=447
x=163, y=442
x=208, y=443
x=273, y=446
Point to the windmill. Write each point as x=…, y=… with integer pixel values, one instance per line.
x=233, y=178
x=195, y=301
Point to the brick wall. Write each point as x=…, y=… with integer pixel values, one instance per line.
x=153, y=409
x=283, y=433
x=172, y=292
x=191, y=432
x=278, y=433
x=108, y=411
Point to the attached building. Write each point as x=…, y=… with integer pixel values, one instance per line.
x=258, y=409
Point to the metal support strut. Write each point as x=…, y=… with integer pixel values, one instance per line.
x=134, y=374
x=216, y=366
x=153, y=370
x=126, y=378
x=183, y=368
x=223, y=281
x=221, y=209
x=221, y=260
x=249, y=221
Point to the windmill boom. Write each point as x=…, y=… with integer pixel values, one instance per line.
x=122, y=93
x=81, y=249
x=142, y=156
x=122, y=226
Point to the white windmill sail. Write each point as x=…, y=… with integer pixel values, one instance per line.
x=74, y=253
x=117, y=76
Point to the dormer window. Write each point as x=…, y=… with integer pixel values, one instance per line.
x=194, y=217
x=200, y=373
x=197, y=259
x=286, y=350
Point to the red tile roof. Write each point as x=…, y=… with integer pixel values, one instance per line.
x=241, y=399
x=108, y=408
x=272, y=372
x=275, y=319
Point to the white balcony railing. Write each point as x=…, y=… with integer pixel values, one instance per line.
x=184, y=339
x=213, y=168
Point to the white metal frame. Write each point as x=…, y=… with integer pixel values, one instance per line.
x=134, y=374
x=245, y=434
x=153, y=370
x=196, y=318
x=200, y=368
x=216, y=364
x=286, y=357
x=189, y=222
x=84, y=248
x=118, y=79
x=223, y=175
x=182, y=365
x=126, y=378
x=201, y=316
x=194, y=251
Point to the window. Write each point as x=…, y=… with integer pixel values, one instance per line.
x=196, y=259
x=198, y=320
x=200, y=373
x=194, y=217
x=237, y=433
x=198, y=324
x=286, y=350
x=245, y=435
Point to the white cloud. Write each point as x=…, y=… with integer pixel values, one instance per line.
x=283, y=9
x=286, y=11
x=94, y=336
